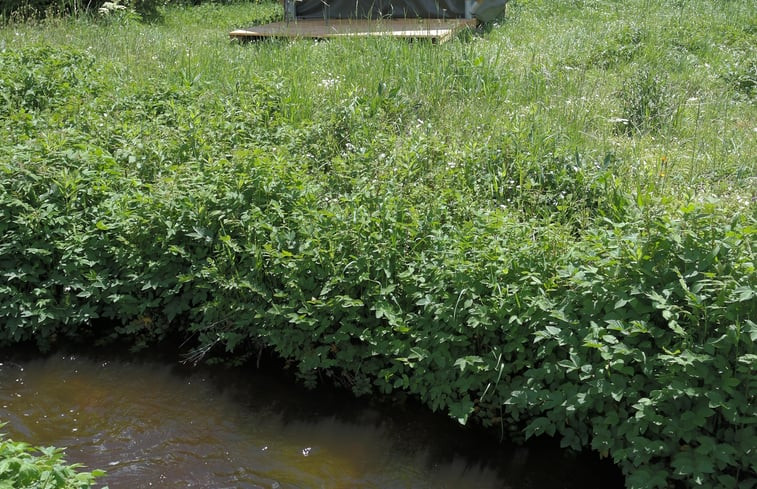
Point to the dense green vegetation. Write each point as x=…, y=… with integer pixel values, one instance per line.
x=22, y=465
x=24, y=10
x=547, y=227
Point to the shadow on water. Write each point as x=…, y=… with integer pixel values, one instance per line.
x=158, y=424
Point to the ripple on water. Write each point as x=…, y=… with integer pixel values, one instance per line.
x=153, y=425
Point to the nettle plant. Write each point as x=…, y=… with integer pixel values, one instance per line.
x=24, y=466
x=646, y=352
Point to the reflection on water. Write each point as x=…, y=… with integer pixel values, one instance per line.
x=154, y=425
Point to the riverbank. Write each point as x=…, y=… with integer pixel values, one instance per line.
x=537, y=229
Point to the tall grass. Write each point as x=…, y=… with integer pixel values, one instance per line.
x=652, y=83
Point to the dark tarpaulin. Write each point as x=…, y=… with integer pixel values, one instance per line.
x=378, y=9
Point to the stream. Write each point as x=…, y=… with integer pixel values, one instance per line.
x=153, y=424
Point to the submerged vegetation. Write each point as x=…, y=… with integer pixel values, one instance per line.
x=546, y=228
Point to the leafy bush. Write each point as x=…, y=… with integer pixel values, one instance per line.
x=42, y=77
x=382, y=261
x=23, y=466
x=647, y=332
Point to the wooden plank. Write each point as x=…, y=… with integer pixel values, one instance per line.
x=438, y=30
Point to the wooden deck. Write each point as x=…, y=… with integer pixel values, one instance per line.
x=437, y=30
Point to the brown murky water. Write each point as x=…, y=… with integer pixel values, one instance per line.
x=154, y=425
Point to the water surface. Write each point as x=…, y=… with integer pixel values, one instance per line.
x=151, y=424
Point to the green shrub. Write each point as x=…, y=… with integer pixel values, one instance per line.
x=382, y=261
x=41, y=77
x=23, y=466
x=645, y=349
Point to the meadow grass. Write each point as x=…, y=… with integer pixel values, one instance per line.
x=666, y=88
x=546, y=225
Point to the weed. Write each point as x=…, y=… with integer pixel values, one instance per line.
x=25, y=466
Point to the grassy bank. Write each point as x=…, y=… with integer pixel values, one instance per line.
x=546, y=228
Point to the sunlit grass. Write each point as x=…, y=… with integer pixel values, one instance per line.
x=557, y=70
